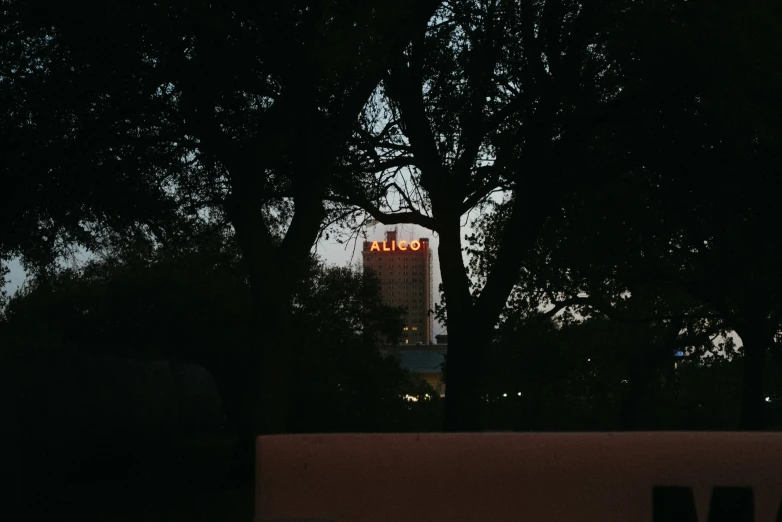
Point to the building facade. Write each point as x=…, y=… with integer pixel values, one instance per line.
x=404, y=269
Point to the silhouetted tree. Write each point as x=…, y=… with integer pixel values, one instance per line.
x=715, y=242
x=528, y=97
x=544, y=375
x=238, y=110
x=667, y=137
x=194, y=305
x=577, y=273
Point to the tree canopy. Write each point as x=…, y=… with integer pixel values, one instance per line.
x=624, y=155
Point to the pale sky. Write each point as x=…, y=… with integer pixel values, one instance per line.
x=15, y=279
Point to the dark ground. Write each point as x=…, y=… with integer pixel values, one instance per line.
x=192, y=483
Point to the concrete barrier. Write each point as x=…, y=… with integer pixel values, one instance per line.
x=606, y=477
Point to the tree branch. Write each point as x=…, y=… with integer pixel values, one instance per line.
x=405, y=87
x=491, y=184
x=402, y=193
x=394, y=163
x=473, y=126
x=532, y=49
x=609, y=311
x=360, y=201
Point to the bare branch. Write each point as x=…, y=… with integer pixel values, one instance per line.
x=394, y=163
x=606, y=309
x=532, y=49
x=395, y=218
x=488, y=187
x=405, y=88
x=402, y=193
x=474, y=128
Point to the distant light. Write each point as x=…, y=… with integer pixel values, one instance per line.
x=519, y=394
x=504, y=394
x=768, y=399
x=589, y=360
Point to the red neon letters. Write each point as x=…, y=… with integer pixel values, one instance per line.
x=402, y=245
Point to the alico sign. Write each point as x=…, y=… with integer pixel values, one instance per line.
x=402, y=245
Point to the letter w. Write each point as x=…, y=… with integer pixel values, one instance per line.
x=676, y=504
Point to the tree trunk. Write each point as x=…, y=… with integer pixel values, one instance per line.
x=463, y=403
x=233, y=381
x=753, y=415
x=471, y=321
x=273, y=273
x=264, y=406
x=639, y=404
x=465, y=335
x=755, y=341
x=11, y=464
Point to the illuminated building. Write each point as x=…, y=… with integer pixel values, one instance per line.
x=404, y=268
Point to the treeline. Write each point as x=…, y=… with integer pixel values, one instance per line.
x=192, y=306
x=129, y=370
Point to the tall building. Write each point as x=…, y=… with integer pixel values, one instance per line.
x=404, y=268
